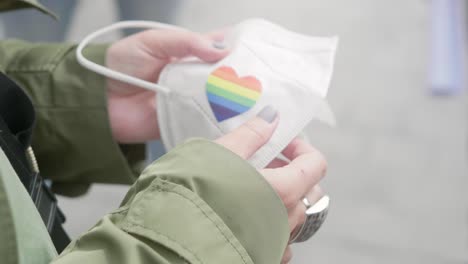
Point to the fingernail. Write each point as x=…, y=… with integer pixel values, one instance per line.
x=219, y=45
x=268, y=113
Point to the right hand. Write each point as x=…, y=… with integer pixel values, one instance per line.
x=293, y=179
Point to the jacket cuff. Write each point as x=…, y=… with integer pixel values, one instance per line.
x=82, y=123
x=72, y=138
x=200, y=177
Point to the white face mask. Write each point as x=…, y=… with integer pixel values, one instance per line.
x=267, y=65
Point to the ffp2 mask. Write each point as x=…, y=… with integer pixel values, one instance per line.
x=267, y=65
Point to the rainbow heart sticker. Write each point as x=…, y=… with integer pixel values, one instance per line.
x=230, y=95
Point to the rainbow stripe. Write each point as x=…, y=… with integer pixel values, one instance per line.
x=230, y=95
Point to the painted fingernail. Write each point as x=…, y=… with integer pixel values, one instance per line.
x=268, y=113
x=219, y=45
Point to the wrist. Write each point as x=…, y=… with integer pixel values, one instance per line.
x=133, y=118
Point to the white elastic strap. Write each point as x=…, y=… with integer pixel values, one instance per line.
x=114, y=74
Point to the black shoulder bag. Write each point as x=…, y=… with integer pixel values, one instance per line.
x=17, y=118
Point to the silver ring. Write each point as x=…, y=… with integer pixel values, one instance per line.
x=315, y=216
x=306, y=202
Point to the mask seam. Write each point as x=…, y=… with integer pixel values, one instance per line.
x=163, y=113
x=167, y=71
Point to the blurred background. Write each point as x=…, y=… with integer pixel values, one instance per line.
x=398, y=158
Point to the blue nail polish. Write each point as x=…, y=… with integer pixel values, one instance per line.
x=268, y=113
x=219, y=45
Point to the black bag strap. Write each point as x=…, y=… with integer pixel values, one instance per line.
x=17, y=118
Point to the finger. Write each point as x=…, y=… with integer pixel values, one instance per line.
x=294, y=180
x=179, y=43
x=217, y=35
x=287, y=256
x=296, y=148
x=277, y=163
x=315, y=194
x=252, y=135
x=299, y=152
x=296, y=216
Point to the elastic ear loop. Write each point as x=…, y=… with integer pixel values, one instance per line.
x=115, y=74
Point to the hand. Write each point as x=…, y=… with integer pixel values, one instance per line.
x=293, y=179
x=132, y=110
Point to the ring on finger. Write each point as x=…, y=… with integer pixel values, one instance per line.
x=315, y=216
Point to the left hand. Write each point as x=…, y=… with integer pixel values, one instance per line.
x=291, y=179
x=132, y=110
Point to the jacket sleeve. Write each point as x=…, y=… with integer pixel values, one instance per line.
x=6, y=5
x=72, y=138
x=200, y=203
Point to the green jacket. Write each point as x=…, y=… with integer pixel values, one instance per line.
x=200, y=203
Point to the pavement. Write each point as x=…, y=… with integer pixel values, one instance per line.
x=398, y=157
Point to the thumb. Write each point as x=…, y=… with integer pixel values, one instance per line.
x=208, y=50
x=180, y=43
x=252, y=135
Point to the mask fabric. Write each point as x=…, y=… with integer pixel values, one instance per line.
x=267, y=65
